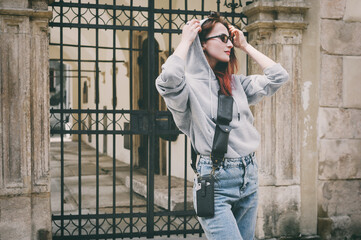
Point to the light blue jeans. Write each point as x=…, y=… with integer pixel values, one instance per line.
x=235, y=198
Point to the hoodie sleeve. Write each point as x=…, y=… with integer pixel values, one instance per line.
x=258, y=86
x=172, y=86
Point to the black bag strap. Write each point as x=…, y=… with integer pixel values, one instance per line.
x=194, y=159
x=221, y=135
x=224, y=117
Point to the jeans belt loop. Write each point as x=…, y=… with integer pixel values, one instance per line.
x=251, y=155
x=244, y=162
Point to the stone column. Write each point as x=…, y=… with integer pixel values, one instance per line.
x=275, y=28
x=24, y=120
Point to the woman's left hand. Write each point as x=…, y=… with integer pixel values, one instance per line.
x=239, y=40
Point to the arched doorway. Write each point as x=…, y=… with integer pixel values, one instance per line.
x=145, y=86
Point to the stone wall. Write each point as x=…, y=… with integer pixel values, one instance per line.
x=24, y=121
x=339, y=120
x=276, y=29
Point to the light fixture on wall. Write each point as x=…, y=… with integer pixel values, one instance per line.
x=233, y=5
x=103, y=75
x=89, y=81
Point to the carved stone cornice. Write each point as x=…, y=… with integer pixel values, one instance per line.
x=26, y=12
x=276, y=24
x=275, y=6
x=276, y=14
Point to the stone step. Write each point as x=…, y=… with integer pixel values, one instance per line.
x=161, y=194
x=160, y=189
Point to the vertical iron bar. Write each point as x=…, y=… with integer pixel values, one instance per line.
x=61, y=124
x=233, y=11
x=218, y=5
x=97, y=114
x=79, y=120
x=131, y=109
x=247, y=54
x=114, y=118
x=185, y=156
x=169, y=143
x=151, y=132
x=185, y=182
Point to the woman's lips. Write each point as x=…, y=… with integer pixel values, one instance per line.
x=228, y=52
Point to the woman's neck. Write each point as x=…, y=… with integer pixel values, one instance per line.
x=211, y=61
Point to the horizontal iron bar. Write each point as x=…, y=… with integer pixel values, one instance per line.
x=140, y=9
x=92, y=46
x=130, y=235
x=97, y=26
x=97, y=132
x=101, y=236
x=188, y=213
x=119, y=132
x=99, y=6
x=123, y=28
x=107, y=111
x=75, y=77
x=85, y=60
x=76, y=70
x=123, y=111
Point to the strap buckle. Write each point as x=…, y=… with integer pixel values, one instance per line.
x=216, y=161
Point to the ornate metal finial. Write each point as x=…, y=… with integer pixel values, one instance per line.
x=233, y=5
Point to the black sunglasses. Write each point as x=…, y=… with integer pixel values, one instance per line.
x=224, y=38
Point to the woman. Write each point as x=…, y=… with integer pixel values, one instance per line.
x=204, y=63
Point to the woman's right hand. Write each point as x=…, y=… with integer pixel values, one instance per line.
x=189, y=33
x=190, y=30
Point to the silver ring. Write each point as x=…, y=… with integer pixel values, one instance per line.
x=187, y=23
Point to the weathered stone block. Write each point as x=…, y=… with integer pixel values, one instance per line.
x=332, y=8
x=339, y=123
x=352, y=81
x=15, y=218
x=340, y=159
x=15, y=105
x=339, y=198
x=352, y=13
x=278, y=211
x=41, y=220
x=338, y=37
x=331, y=81
x=14, y=4
x=339, y=210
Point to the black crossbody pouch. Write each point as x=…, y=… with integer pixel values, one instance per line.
x=205, y=196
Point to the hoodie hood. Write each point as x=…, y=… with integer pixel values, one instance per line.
x=197, y=66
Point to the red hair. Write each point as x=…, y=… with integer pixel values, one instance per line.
x=223, y=70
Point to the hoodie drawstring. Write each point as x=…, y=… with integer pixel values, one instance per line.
x=239, y=112
x=210, y=93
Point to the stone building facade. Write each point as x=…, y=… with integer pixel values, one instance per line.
x=310, y=156
x=24, y=120
x=339, y=121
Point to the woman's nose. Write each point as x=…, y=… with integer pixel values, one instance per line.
x=229, y=43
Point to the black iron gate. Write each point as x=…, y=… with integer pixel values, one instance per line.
x=105, y=56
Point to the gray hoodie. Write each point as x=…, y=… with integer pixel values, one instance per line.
x=190, y=90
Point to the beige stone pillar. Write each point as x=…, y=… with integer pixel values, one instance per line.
x=24, y=120
x=276, y=28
